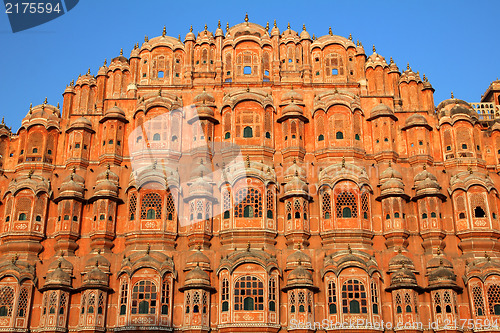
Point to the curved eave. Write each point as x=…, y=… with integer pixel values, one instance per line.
x=438, y=195
x=110, y=197
x=444, y=286
x=205, y=287
x=110, y=117
x=292, y=195
x=412, y=286
x=78, y=127
x=69, y=197
x=406, y=197
x=392, y=116
x=310, y=287
x=292, y=116
x=407, y=127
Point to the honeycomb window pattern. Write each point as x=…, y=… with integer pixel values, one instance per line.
x=346, y=200
x=170, y=207
x=478, y=300
x=151, y=201
x=253, y=199
x=132, y=206
x=494, y=299
x=23, y=303
x=326, y=206
x=364, y=205
x=6, y=301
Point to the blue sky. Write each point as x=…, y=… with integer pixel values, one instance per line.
x=455, y=43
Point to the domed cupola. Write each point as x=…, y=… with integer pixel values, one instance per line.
x=43, y=114
x=4, y=130
x=106, y=184
x=218, y=31
x=296, y=187
x=59, y=274
x=275, y=31
x=409, y=75
x=198, y=258
x=205, y=36
x=300, y=277
x=391, y=184
x=375, y=60
x=393, y=68
x=190, y=35
x=293, y=170
x=298, y=258
x=304, y=34
x=204, y=98
x=72, y=186
x=403, y=278
x=455, y=107
x=416, y=120
x=114, y=113
x=197, y=279
x=426, y=184
x=382, y=110
x=95, y=278
x=399, y=261
x=81, y=123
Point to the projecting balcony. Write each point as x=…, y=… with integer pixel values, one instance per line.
x=487, y=111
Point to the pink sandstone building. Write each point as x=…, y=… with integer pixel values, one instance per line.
x=358, y=201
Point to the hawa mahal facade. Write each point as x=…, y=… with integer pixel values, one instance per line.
x=364, y=200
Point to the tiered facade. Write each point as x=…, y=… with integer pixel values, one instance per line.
x=358, y=199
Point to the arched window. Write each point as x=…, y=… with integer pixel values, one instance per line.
x=272, y=294
x=461, y=215
x=250, y=205
x=494, y=299
x=248, y=294
x=424, y=215
x=346, y=200
x=225, y=295
x=151, y=201
x=22, y=217
x=6, y=301
x=478, y=300
x=326, y=205
x=165, y=297
x=339, y=135
x=433, y=214
x=354, y=298
x=156, y=137
x=227, y=135
x=332, y=298
x=374, y=290
x=356, y=137
x=144, y=298
x=247, y=132
x=123, y=298
x=321, y=137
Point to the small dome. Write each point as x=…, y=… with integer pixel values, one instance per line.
x=71, y=187
x=304, y=34
x=197, y=276
x=296, y=185
x=381, y=110
x=442, y=275
x=298, y=257
x=292, y=96
x=204, y=111
x=81, y=122
x=292, y=109
x=201, y=170
x=62, y=263
x=58, y=277
x=204, y=98
x=106, y=184
x=392, y=186
x=416, y=120
x=96, y=276
x=438, y=261
x=400, y=260
x=375, y=60
x=390, y=172
x=115, y=111
x=300, y=275
x=198, y=257
x=200, y=187
x=295, y=169
x=403, y=277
